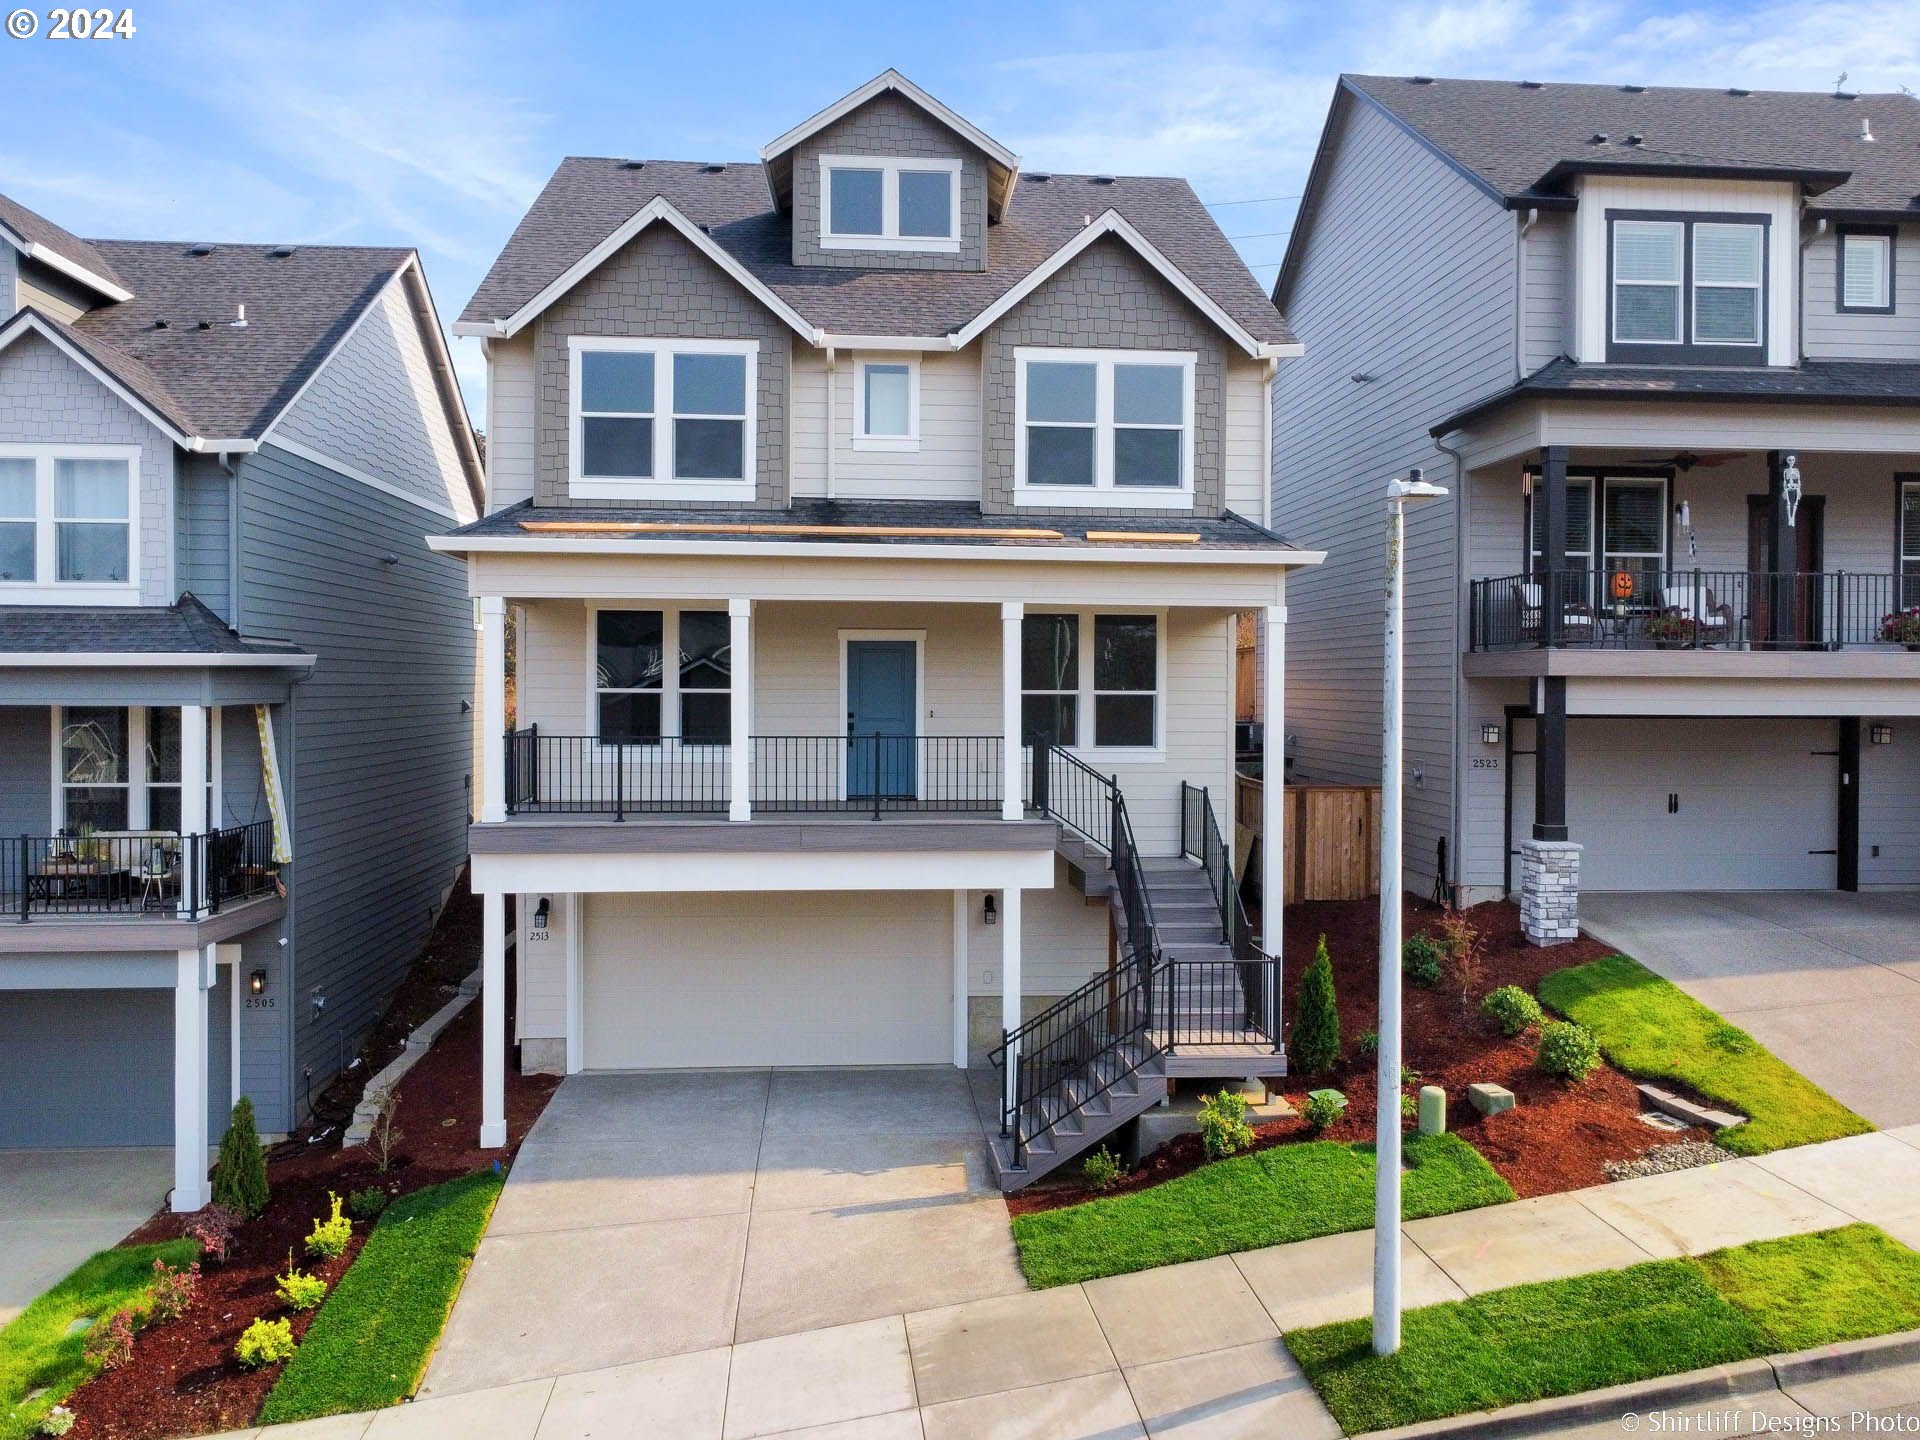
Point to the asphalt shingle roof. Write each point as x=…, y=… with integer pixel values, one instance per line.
x=38, y=230
x=1840, y=382
x=588, y=198
x=184, y=628
x=1216, y=532
x=1512, y=134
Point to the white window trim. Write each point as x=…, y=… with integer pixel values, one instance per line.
x=1103, y=494
x=1083, y=721
x=889, y=237
x=1757, y=286
x=43, y=589
x=661, y=484
x=1678, y=285
x=861, y=439
x=670, y=747
x=137, y=784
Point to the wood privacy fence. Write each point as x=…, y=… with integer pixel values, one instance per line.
x=1332, y=835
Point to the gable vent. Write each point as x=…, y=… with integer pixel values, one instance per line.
x=200, y=250
x=633, y=164
x=1634, y=89
x=280, y=252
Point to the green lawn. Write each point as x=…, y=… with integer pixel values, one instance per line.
x=1563, y=1337
x=369, y=1344
x=1291, y=1192
x=42, y=1348
x=1654, y=1030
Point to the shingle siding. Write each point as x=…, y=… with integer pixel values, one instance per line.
x=1408, y=277
x=1107, y=297
x=658, y=287
x=888, y=125
x=376, y=750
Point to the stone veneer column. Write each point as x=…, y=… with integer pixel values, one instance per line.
x=1549, y=890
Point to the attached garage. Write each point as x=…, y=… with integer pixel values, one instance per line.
x=1698, y=804
x=743, y=979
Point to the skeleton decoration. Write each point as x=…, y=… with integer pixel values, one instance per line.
x=1790, y=487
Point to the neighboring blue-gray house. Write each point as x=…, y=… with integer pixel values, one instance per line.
x=234, y=683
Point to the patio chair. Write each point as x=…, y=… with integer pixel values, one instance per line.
x=1576, y=617
x=1715, y=618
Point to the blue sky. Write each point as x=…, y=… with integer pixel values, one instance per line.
x=434, y=124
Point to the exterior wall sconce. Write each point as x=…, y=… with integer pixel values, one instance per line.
x=257, y=982
x=1490, y=734
x=542, y=912
x=1881, y=734
x=990, y=912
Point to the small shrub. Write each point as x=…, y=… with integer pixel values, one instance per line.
x=1421, y=960
x=367, y=1203
x=1512, y=1009
x=330, y=1236
x=240, y=1177
x=1409, y=1107
x=110, y=1343
x=1223, y=1124
x=172, y=1290
x=1102, y=1169
x=1370, y=1043
x=213, y=1227
x=384, y=1140
x=1324, y=1107
x=57, y=1421
x=1466, y=952
x=1567, y=1050
x=264, y=1342
x=297, y=1289
x=1315, y=1044
x=1408, y=1075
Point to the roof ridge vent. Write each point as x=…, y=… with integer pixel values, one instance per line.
x=1039, y=177
x=280, y=252
x=1634, y=89
x=203, y=249
x=1635, y=139
x=1531, y=85
x=1100, y=180
x=1737, y=93
x=711, y=169
x=1597, y=138
x=633, y=164
x=1419, y=80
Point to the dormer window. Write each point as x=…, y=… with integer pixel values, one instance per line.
x=889, y=203
x=1687, y=289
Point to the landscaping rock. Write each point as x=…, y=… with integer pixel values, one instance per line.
x=1490, y=1099
x=1682, y=1108
x=1684, y=1155
x=1433, y=1110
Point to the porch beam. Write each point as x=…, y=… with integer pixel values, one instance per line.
x=1012, y=616
x=1550, y=761
x=493, y=1020
x=1552, y=500
x=740, y=749
x=493, y=708
x=193, y=977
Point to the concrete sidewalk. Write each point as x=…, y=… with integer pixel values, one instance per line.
x=1186, y=1350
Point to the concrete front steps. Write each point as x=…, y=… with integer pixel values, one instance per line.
x=1134, y=1083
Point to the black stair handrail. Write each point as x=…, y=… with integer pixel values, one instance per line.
x=1202, y=838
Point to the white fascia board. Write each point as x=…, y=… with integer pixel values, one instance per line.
x=54, y=260
x=885, y=342
x=1112, y=222
x=818, y=550
x=891, y=80
x=137, y=660
x=656, y=209
x=643, y=872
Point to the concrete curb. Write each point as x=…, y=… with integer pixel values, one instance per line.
x=418, y=1043
x=1673, y=1392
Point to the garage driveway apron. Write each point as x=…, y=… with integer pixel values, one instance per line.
x=659, y=1213
x=59, y=1206
x=1828, y=981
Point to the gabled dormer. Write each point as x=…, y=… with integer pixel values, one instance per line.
x=54, y=271
x=887, y=177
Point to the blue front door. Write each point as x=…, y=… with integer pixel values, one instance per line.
x=881, y=709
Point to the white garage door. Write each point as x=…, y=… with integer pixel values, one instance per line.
x=1716, y=804
x=768, y=979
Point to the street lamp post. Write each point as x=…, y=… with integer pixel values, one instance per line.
x=1386, y=1185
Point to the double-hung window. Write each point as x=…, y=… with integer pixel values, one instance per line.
x=663, y=675
x=67, y=515
x=1865, y=282
x=887, y=405
x=1103, y=427
x=1687, y=289
x=663, y=418
x=889, y=203
x=1628, y=516
x=119, y=768
x=1104, y=694
x=1909, y=542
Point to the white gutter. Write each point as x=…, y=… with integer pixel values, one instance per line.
x=133, y=660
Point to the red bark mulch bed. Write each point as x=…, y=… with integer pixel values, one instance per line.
x=1557, y=1137
x=183, y=1379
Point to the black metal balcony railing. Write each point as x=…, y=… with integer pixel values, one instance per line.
x=140, y=874
x=1632, y=609
x=876, y=774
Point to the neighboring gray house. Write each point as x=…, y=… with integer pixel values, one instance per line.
x=1663, y=346
x=875, y=517
x=234, y=747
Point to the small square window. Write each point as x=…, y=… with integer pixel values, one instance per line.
x=1866, y=271
x=886, y=401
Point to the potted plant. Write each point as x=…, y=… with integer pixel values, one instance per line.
x=1902, y=627
x=1670, y=631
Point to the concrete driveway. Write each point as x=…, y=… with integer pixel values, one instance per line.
x=660, y=1213
x=1830, y=982
x=59, y=1206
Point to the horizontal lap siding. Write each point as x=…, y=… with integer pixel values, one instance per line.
x=946, y=466
x=204, y=557
x=511, y=423
x=1546, y=326
x=1246, y=440
x=380, y=752
x=1408, y=278
x=1831, y=335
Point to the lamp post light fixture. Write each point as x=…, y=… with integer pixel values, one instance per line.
x=1490, y=734
x=1386, y=1146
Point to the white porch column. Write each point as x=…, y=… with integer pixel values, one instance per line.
x=740, y=750
x=196, y=885
x=1012, y=613
x=572, y=908
x=962, y=915
x=493, y=709
x=231, y=956
x=191, y=981
x=1273, y=779
x=493, y=1020
x=1010, y=980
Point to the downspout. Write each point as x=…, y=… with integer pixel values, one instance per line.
x=1461, y=502
x=832, y=405
x=1519, y=309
